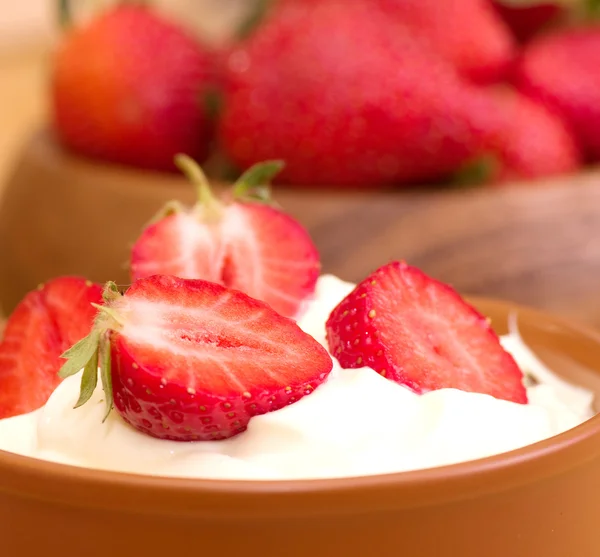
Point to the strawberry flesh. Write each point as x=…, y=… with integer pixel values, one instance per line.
x=178, y=245
x=195, y=360
x=43, y=325
x=270, y=256
x=252, y=247
x=418, y=332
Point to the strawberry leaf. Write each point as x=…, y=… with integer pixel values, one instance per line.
x=80, y=354
x=105, y=374
x=89, y=380
x=254, y=184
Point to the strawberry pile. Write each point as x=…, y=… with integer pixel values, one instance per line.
x=361, y=93
x=204, y=338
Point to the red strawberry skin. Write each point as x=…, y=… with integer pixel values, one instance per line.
x=253, y=247
x=468, y=33
x=418, y=332
x=561, y=70
x=360, y=100
x=128, y=88
x=46, y=322
x=195, y=360
x=528, y=140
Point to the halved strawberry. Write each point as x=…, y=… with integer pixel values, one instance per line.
x=69, y=301
x=418, y=332
x=243, y=242
x=46, y=321
x=191, y=360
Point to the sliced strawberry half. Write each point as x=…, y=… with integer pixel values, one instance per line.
x=193, y=360
x=420, y=333
x=47, y=320
x=270, y=256
x=243, y=242
x=69, y=301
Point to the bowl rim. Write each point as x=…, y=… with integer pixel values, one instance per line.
x=23, y=476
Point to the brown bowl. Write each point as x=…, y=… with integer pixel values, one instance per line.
x=541, y=500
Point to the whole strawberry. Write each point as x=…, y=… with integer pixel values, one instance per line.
x=468, y=33
x=347, y=97
x=129, y=88
x=44, y=324
x=242, y=241
x=525, y=140
x=190, y=360
x=562, y=70
x=418, y=332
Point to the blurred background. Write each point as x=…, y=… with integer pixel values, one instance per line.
x=461, y=135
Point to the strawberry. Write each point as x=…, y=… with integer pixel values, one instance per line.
x=358, y=99
x=241, y=242
x=191, y=360
x=562, y=70
x=418, y=332
x=128, y=88
x=468, y=33
x=526, y=140
x=42, y=326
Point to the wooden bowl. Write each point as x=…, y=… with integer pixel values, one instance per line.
x=535, y=244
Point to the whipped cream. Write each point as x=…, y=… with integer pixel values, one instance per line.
x=357, y=423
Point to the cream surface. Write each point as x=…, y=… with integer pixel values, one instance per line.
x=357, y=423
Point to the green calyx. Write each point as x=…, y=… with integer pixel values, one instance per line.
x=92, y=353
x=255, y=183
x=476, y=172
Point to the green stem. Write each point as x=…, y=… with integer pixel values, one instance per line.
x=196, y=176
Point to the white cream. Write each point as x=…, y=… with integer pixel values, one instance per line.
x=357, y=423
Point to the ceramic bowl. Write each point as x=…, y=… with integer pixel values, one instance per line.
x=541, y=500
